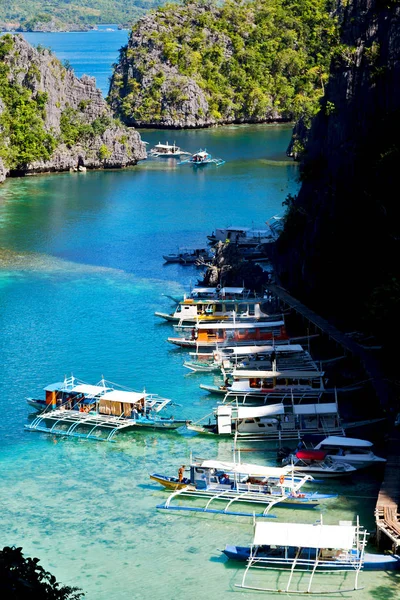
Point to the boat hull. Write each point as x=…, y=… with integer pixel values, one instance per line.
x=171, y=483
x=372, y=562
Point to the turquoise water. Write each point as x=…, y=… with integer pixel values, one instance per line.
x=81, y=274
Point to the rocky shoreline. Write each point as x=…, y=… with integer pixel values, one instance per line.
x=76, y=121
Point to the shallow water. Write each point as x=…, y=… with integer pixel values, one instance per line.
x=81, y=276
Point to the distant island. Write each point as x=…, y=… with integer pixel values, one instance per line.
x=64, y=15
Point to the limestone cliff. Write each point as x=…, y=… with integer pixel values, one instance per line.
x=340, y=247
x=204, y=63
x=52, y=121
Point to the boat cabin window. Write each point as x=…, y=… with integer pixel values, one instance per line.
x=268, y=383
x=229, y=307
x=315, y=383
x=178, y=308
x=249, y=420
x=304, y=381
x=255, y=382
x=281, y=381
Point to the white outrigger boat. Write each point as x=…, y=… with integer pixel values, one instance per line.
x=77, y=409
x=188, y=256
x=288, y=419
x=203, y=310
x=167, y=151
x=352, y=451
x=257, y=385
x=219, y=293
x=211, y=335
x=202, y=158
x=232, y=482
x=227, y=359
x=298, y=549
x=247, y=236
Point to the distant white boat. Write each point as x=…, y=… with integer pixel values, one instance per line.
x=167, y=151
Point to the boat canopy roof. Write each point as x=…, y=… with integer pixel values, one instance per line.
x=325, y=408
x=204, y=290
x=299, y=535
x=123, y=396
x=334, y=440
x=225, y=325
x=232, y=290
x=268, y=374
x=88, y=390
x=166, y=145
x=246, y=468
x=55, y=387
x=251, y=412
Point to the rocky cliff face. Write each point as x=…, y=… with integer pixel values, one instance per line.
x=70, y=115
x=204, y=63
x=340, y=247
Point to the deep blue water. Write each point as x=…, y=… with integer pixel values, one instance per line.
x=81, y=274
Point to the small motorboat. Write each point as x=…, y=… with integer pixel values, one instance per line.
x=353, y=451
x=316, y=462
x=201, y=158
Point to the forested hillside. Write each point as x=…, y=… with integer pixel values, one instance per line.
x=52, y=15
x=207, y=62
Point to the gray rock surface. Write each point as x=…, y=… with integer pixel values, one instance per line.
x=41, y=71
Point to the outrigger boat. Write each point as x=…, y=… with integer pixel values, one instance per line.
x=247, y=357
x=188, y=256
x=201, y=158
x=203, y=310
x=231, y=482
x=218, y=293
x=288, y=419
x=76, y=409
x=246, y=236
x=167, y=151
x=256, y=386
x=211, y=335
x=303, y=548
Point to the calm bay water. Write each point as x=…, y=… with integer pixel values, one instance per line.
x=81, y=275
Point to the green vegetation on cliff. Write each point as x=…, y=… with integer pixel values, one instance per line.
x=64, y=14
x=23, y=137
x=249, y=60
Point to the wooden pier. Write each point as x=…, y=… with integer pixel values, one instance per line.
x=387, y=510
x=349, y=346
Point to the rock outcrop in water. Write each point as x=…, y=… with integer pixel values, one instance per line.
x=340, y=247
x=204, y=63
x=52, y=121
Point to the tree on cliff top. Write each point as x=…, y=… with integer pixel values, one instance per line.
x=23, y=578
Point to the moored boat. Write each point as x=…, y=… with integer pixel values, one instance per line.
x=248, y=236
x=284, y=420
x=74, y=408
x=188, y=256
x=239, y=482
x=191, y=310
x=315, y=462
x=352, y=451
x=211, y=335
x=202, y=158
x=167, y=151
x=300, y=548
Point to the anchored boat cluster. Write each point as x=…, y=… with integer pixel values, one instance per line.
x=270, y=388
